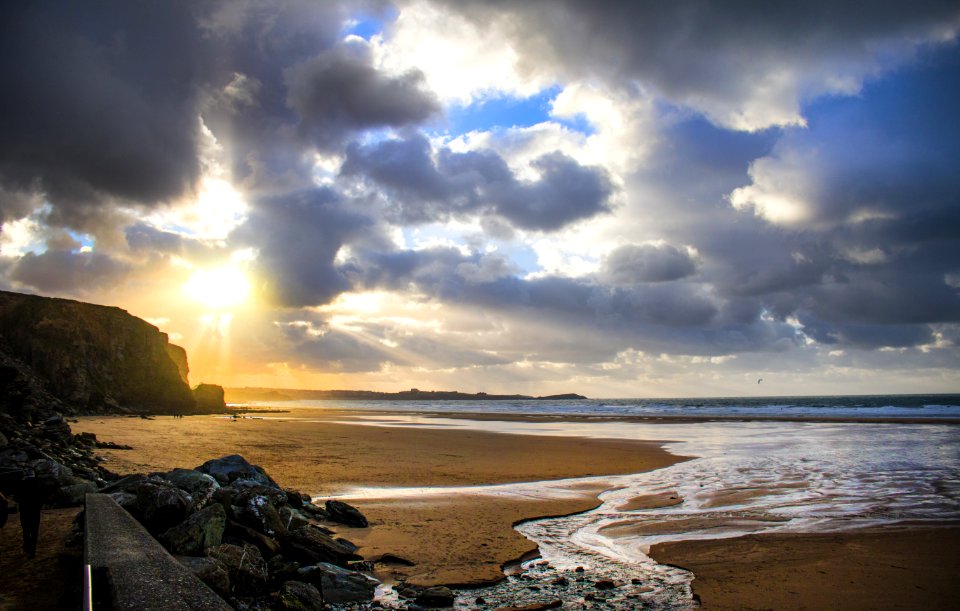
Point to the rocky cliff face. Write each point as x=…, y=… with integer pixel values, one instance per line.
x=92, y=357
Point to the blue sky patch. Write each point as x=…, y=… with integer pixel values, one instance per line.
x=505, y=112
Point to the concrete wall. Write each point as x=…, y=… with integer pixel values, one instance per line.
x=131, y=570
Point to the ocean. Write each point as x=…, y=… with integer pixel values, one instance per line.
x=757, y=465
x=860, y=406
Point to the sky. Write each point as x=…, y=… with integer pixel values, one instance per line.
x=619, y=199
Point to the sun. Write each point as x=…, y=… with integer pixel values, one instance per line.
x=218, y=288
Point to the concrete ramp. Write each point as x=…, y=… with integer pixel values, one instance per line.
x=131, y=570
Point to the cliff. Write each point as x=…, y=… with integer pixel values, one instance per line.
x=92, y=357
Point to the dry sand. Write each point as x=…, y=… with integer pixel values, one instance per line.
x=463, y=539
x=892, y=568
x=53, y=579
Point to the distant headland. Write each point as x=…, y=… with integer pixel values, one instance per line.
x=247, y=394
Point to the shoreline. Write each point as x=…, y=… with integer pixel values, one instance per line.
x=464, y=539
x=251, y=411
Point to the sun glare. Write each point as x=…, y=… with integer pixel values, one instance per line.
x=218, y=288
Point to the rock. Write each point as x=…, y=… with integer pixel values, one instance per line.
x=200, y=486
x=245, y=565
x=51, y=473
x=300, y=596
x=392, y=559
x=209, y=398
x=160, y=506
x=225, y=496
x=258, y=513
x=210, y=572
x=291, y=518
x=74, y=494
x=282, y=570
x=200, y=531
x=553, y=604
x=560, y=581
x=605, y=584
x=343, y=513
x=317, y=513
x=233, y=467
x=339, y=585
x=268, y=547
x=295, y=499
x=309, y=545
x=125, y=484
x=436, y=596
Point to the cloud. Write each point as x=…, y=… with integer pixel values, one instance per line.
x=298, y=236
x=340, y=91
x=145, y=238
x=635, y=264
x=880, y=157
x=56, y=271
x=99, y=103
x=744, y=68
x=317, y=345
x=479, y=183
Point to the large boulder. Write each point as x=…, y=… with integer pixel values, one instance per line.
x=345, y=514
x=200, y=531
x=282, y=570
x=291, y=518
x=340, y=585
x=159, y=504
x=210, y=572
x=257, y=512
x=74, y=494
x=436, y=596
x=231, y=468
x=299, y=596
x=268, y=546
x=309, y=545
x=200, y=486
x=245, y=565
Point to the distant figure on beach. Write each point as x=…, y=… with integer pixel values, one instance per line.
x=29, y=501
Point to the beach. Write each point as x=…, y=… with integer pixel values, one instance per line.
x=894, y=568
x=445, y=491
x=454, y=539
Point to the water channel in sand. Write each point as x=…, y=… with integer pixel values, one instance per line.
x=749, y=477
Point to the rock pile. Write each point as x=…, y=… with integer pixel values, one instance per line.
x=257, y=545
x=35, y=437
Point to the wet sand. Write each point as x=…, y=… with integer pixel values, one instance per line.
x=460, y=539
x=890, y=568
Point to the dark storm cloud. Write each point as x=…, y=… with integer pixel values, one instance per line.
x=740, y=62
x=865, y=335
x=145, y=238
x=65, y=270
x=298, y=236
x=99, y=100
x=479, y=183
x=635, y=264
x=340, y=91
